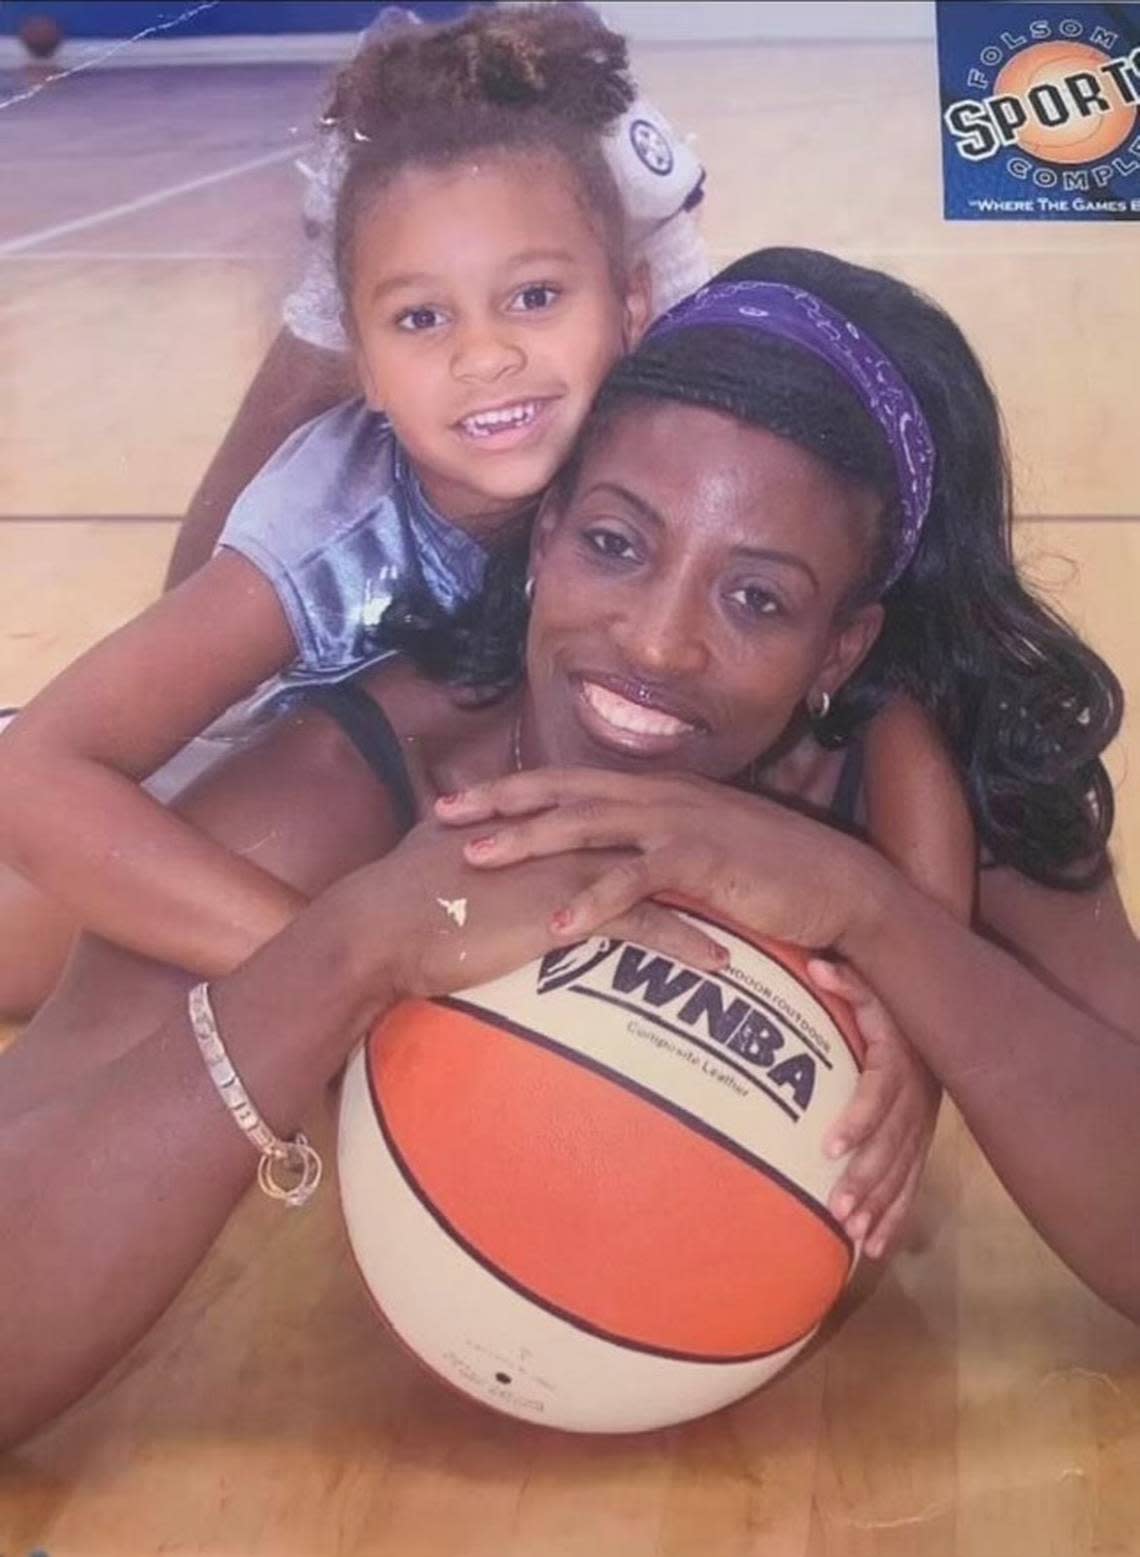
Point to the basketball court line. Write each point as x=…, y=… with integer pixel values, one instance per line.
x=146, y=202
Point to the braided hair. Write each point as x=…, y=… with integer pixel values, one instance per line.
x=1024, y=706
x=540, y=79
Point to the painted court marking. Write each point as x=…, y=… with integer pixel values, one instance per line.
x=145, y=202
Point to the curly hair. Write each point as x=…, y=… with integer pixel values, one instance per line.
x=1024, y=706
x=542, y=79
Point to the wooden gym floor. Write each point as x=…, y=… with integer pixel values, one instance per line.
x=976, y=1402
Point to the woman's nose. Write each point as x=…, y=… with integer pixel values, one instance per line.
x=661, y=635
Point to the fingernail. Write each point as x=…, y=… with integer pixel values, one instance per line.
x=859, y=1226
x=561, y=921
x=874, y=1249
x=481, y=847
x=837, y=1148
x=844, y=1206
x=452, y=799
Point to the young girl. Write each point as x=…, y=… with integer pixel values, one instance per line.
x=481, y=250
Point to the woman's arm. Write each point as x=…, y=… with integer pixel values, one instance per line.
x=295, y=382
x=1045, y=1069
x=1048, y=1083
x=73, y=817
x=918, y=817
x=119, y=1161
x=117, y=1184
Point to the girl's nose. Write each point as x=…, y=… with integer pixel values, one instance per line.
x=485, y=353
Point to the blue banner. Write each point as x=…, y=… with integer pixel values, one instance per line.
x=1040, y=111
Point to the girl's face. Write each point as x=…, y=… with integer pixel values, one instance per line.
x=689, y=596
x=485, y=315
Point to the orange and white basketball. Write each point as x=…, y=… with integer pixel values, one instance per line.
x=593, y=1193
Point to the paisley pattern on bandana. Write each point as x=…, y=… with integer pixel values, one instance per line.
x=789, y=313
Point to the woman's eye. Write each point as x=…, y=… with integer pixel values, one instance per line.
x=531, y=299
x=418, y=319
x=757, y=601
x=610, y=543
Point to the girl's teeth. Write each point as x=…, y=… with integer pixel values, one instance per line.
x=624, y=715
x=484, y=423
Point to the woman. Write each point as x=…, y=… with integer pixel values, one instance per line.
x=112, y=1130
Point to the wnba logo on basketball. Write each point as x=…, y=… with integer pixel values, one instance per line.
x=1046, y=104
x=711, y=1012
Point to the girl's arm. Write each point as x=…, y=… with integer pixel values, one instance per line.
x=73, y=817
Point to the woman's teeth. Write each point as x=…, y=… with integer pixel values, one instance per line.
x=631, y=717
x=484, y=424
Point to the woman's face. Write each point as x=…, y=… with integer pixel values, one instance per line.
x=688, y=593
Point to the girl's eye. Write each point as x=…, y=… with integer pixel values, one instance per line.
x=530, y=299
x=757, y=601
x=419, y=319
x=610, y=543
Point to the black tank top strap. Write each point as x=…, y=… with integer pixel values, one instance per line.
x=367, y=727
x=845, y=803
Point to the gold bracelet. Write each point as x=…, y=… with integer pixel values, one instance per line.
x=300, y=1161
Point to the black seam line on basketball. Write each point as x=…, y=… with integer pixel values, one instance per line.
x=698, y=1043
x=694, y=1122
x=792, y=974
x=574, y=1320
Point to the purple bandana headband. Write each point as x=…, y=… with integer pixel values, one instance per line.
x=771, y=308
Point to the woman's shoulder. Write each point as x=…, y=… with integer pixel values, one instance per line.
x=902, y=728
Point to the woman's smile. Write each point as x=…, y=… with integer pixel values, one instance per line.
x=643, y=727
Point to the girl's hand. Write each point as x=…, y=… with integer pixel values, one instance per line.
x=758, y=863
x=888, y=1125
x=441, y=925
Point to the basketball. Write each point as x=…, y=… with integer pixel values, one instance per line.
x=41, y=36
x=593, y=1193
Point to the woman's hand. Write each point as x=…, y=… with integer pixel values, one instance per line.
x=760, y=864
x=441, y=925
x=887, y=1126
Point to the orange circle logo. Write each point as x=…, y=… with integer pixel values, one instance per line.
x=1054, y=132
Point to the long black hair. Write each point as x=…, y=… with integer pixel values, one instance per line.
x=1025, y=708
